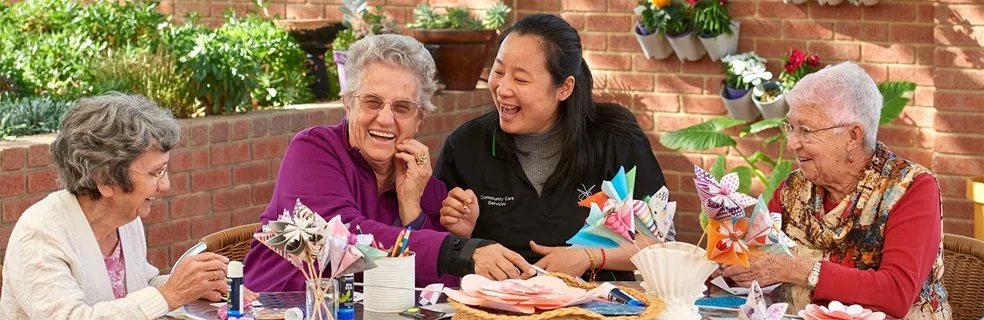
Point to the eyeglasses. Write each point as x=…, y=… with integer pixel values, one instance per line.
x=801, y=132
x=372, y=104
x=157, y=175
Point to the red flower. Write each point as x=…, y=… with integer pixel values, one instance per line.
x=813, y=60
x=790, y=67
x=723, y=2
x=692, y=2
x=797, y=57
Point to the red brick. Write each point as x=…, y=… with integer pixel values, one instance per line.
x=184, y=8
x=836, y=50
x=959, y=35
x=894, y=53
x=631, y=82
x=576, y=20
x=703, y=104
x=890, y=12
x=583, y=5
x=13, y=159
x=959, y=57
x=316, y=117
x=874, y=32
x=954, y=226
x=158, y=257
x=877, y=72
x=925, y=138
x=702, y=66
x=14, y=207
x=960, y=14
x=608, y=23
x=656, y=102
x=778, y=9
x=741, y=9
x=847, y=31
x=260, y=127
x=158, y=212
x=960, y=144
x=5, y=236
x=925, y=55
x=959, y=79
x=298, y=122
x=238, y=197
x=924, y=96
x=843, y=12
x=544, y=5
x=38, y=155
x=247, y=215
x=911, y=34
x=203, y=226
x=166, y=7
x=773, y=49
x=919, y=117
x=190, y=205
x=177, y=249
x=210, y=179
x=959, y=122
x=218, y=9
x=263, y=192
x=185, y=159
x=275, y=163
x=623, y=42
x=713, y=84
x=952, y=185
x=958, y=100
x=220, y=131
x=12, y=185
x=761, y=28
x=916, y=155
x=621, y=5
x=927, y=13
x=252, y=172
x=958, y=165
x=897, y=136
x=230, y=153
x=640, y=63
x=921, y=75
x=807, y=30
x=645, y=121
x=42, y=181
x=673, y=122
x=305, y=11
x=679, y=84
x=167, y=232
x=675, y=161
x=622, y=99
x=279, y=124
x=240, y=129
x=593, y=41
x=198, y=135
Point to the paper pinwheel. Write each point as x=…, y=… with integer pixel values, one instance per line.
x=756, y=309
x=765, y=233
x=721, y=200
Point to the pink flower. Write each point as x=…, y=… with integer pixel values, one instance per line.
x=692, y=2
x=790, y=67
x=813, y=60
x=723, y=2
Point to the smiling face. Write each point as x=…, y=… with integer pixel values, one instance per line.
x=148, y=176
x=822, y=155
x=376, y=132
x=522, y=88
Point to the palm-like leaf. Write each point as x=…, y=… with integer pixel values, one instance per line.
x=779, y=173
x=894, y=99
x=703, y=136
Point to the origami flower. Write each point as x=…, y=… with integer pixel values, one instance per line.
x=721, y=200
x=725, y=243
x=755, y=307
x=837, y=310
x=657, y=218
x=299, y=233
x=764, y=231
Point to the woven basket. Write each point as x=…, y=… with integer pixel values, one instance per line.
x=654, y=307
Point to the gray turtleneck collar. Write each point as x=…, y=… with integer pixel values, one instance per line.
x=539, y=154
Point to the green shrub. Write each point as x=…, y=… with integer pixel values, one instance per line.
x=119, y=24
x=283, y=74
x=153, y=75
x=30, y=115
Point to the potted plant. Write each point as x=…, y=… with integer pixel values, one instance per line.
x=456, y=38
x=863, y=2
x=794, y=1
x=743, y=71
x=650, y=31
x=359, y=23
x=680, y=31
x=715, y=29
x=769, y=96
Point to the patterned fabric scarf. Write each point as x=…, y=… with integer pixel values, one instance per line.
x=852, y=234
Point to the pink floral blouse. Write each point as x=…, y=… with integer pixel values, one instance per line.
x=116, y=268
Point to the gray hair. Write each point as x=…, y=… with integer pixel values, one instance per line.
x=397, y=50
x=101, y=136
x=846, y=93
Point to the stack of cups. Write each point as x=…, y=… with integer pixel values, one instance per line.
x=381, y=282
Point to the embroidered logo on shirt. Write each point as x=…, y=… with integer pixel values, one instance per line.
x=496, y=201
x=585, y=192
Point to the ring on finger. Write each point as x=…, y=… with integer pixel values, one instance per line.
x=215, y=275
x=422, y=158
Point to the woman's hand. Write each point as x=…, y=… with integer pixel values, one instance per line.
x=565, y=260
x=770, y=269
x=201, y=276
x=498, y=263
x=413, y=170
x=459, y=212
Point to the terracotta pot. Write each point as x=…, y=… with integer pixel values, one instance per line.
x=686, y=46
x=722, y=44
x=776, y=108
x=654, y=46
x=740, y=106
x=459, y=54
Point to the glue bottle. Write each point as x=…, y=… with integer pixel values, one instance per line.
x=235, y=298
x=346, y=297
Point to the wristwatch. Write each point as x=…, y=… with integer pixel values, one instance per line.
x=814, y=277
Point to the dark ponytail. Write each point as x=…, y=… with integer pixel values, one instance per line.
x=579, y=116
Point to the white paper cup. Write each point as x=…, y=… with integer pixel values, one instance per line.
x=389, y=273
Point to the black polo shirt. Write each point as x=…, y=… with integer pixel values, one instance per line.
x=511, y=212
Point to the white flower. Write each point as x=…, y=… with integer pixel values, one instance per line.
x=639, y=10
x=755, y=73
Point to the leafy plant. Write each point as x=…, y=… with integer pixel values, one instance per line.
x=360, y=22
x=797, y=65
x=425, y=17
x=159, y=79
x=893, y=95
x=30, y=115
x=496, y=16
x=283, y=75
x=711, y=18
x=652, y=18
x=744, y=70
x=679, y=18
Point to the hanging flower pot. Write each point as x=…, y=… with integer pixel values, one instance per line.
x=795, y=1
x=723, y=44
x=686, y=46
x=340, y=57
x=739, y=103
x=654, y=45
x=770, y=99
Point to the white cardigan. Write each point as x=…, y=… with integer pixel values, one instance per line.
x=54, y=269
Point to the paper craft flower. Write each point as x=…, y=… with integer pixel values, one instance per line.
x=764, y=231
x=725, y=241
x=610, y=219
x=721, y=200
x=657, y=219
x=837, y=310
x=521, y=296
x=755, y=307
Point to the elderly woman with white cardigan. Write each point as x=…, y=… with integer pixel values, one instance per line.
x=81, y=253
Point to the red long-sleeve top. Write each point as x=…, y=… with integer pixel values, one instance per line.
x=912, y=242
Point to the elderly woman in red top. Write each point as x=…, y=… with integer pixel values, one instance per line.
x=867, y=221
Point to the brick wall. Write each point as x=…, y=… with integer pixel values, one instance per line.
x=222, y=174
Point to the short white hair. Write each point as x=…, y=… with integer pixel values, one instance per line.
x=846, y=93
x=394, y=49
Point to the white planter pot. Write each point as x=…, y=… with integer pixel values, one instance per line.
x=830, y=2
x=740, y=108
x=686, y=46
x=869, y=2
x=654, y=46
x=774, y=109
x=674, y=272
x=795, y=1
x=722, y=44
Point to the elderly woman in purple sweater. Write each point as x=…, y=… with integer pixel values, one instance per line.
x=369, y=170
